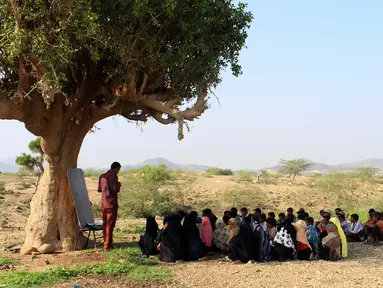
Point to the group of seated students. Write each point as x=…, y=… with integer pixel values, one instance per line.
x=257, y=237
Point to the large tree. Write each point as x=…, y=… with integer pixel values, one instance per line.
x=67, y=64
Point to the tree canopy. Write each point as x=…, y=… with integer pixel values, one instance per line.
x=35, y=159
x=294, y=167
x=137, y=58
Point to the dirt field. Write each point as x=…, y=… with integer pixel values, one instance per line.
x=364, y=267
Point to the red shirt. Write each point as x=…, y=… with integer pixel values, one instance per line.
x=380, y=224
x=109, y=189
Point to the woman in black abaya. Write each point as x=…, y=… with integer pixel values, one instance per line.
x=241, y=242
x=172, y=243
x=194, y=247
x=148, y=242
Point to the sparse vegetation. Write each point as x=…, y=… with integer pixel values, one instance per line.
x=120, y=262
x=219, y=172
x=295, y=167
x=92, y=173
x=244, y=177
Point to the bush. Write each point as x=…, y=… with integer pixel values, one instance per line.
x=155, y=192
x=97, y=210
x=156, y=175
x=92, y=173
x=245, y=176
x=219, y=172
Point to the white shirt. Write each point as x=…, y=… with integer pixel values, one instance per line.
x=355, y=228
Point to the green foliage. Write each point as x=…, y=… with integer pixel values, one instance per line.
x=295, y=167
x=268, y=178
x=92, y=173
x=367, y=173
x=155, y=191
x=33, y=161
x=219, y=172
x=7, y=261
x=155, y=175
x=122, y=261
x=244, y=177
x=169, y=40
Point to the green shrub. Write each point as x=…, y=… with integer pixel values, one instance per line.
x=219, y=172
x=130, y=266
x=155, y=192
x=245, y=176
x=92, y=173
x=155, y=175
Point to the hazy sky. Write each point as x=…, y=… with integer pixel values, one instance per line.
x=312, y=86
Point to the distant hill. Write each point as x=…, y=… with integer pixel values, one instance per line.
x=168, y=164
x=8, y=168
x=324, y=168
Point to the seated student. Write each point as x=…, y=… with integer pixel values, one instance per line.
x=262, y=246
x=220, y=234
x=355, y=233
x=303, y=246
x=271, y=215
x=331, y=242
x=312, y=235
x=234, y=214
x=148, y=242
x=284, y=242
x=375, y=231
x=338, y=211
x=281, y=220
x=213, y=219
x=240, y=242
x=179, y=216
x=207, y=229
x=171, y=244
x=194, y=247
x=343, y=222
x=257, y=211
x=243, y=216
x=290, y=211
x=271, y=229
x=262, y=221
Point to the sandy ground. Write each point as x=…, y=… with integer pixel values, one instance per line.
x=364, y=268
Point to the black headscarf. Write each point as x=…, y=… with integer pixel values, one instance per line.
x=151, y=227
x=190, y=226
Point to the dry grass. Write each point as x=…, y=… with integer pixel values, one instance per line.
x=363, y=268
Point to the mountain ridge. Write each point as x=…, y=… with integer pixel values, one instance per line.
x=315, y=168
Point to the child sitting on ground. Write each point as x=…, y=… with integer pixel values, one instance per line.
x=343, y=223
x=355, y=233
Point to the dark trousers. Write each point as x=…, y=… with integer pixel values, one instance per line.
x=109, y=217
x=376, y=233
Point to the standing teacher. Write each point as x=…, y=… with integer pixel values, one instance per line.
x=109, y=186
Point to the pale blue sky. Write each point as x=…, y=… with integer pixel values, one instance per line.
x=312, y=86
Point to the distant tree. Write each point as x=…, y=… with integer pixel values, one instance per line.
x=219, y=172
x=367, y=172
x=33, y=161
x=295, y=167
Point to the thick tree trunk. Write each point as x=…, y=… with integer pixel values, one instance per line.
x=52, y=224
